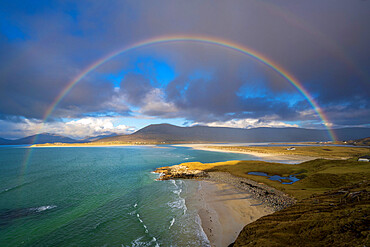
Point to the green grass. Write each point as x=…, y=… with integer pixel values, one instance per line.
x=317, y=176
x=334, y=218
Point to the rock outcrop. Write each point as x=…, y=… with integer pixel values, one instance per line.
x=179, y=171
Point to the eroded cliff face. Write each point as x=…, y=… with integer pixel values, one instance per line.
x=179, y=171
x=335, y=218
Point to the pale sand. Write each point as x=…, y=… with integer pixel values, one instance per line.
x=224, y=210
x=262, y=156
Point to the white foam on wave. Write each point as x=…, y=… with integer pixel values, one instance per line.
x=179, y=203
x=138, y=216
x=43, y=208
x=138, y=242
x=171, y=223
x=159, y=175
x=174, y=183
x=6, y=190
x=201, y=232
x=177, y=192
x=141, y=221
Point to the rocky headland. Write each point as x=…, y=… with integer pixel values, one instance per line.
x=265, y=194
x=179, y=171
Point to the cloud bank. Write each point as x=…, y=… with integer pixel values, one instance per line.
x=45, y=45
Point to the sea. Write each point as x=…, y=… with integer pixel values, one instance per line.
x=98, y=196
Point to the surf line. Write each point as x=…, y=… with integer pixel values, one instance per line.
x=223, y=43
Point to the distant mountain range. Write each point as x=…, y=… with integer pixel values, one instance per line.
x=166, y=133
x=95, y=138
x=40, y=138
x=49, y=138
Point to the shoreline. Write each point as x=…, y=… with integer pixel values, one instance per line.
x=263, y=156
x=224, y=210
x=226, y=204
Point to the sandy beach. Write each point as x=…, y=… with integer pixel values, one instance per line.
x=263, y=156
x=224, y=210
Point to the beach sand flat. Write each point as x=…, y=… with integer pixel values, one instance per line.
x=224, y=210
x=273, y=157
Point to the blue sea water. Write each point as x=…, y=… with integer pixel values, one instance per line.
x=98, y=196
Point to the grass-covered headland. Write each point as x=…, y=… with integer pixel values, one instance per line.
x=316, y=176
x=333, y=205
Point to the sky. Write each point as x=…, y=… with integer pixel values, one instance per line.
x=45, y=45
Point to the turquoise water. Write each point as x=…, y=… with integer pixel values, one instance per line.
x=98, y=196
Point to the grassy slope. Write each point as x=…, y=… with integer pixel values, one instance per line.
x=317, y=176
x=336, y=218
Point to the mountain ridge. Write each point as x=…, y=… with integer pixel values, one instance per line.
x=167, y=133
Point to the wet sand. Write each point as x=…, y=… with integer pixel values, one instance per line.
x=224, y=210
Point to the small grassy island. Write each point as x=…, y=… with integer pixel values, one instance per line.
x=322, y=202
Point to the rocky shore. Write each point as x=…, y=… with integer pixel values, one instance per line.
x=179, y=171
x=270, y=196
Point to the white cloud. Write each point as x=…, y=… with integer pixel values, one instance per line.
x=247, y=123
x=117, y=103
x=156, y=105
x=77, y=129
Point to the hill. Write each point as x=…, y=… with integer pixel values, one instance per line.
x=95, y=138
x=38, y=139
x=166, y=133
x=360, y=142
x=335, y=218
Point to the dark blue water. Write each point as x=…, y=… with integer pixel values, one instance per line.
x=292, y=178
x=98, y=196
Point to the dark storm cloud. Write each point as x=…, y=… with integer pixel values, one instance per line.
x=219, y=99
x=134, y=88
x=44, y=45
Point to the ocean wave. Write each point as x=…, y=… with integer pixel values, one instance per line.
x=174, y=183
x=178, y=204
x=201, y=232
x=139, y=243
x=171, y=223
x=141, y=221
x=13, y=188
x=177, y=192
x=158, y=176
x=42, y=208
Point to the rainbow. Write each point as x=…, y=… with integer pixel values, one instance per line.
x=206, y=40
